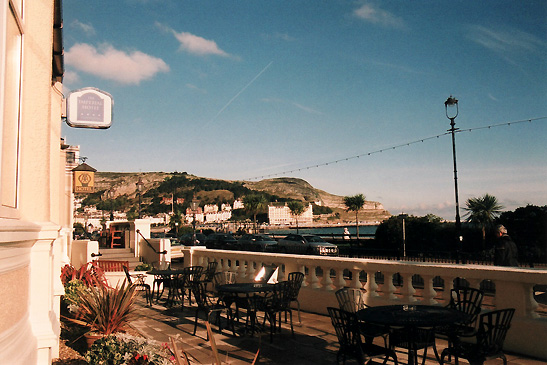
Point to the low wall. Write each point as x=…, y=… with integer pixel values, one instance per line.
x=513, y=286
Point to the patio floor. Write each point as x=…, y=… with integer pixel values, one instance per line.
x=314, y=341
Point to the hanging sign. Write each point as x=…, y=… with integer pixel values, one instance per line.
x=84, y=178
x=89, y=108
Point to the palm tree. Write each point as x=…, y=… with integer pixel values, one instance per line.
x=253, y=204
x=482, y=211
x=354, y=204
x=297, y=208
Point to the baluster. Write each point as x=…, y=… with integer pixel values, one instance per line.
x=448, y=286
x=371, y=285
x=388, y=288
x=355, y=281
x=241, y=269
x=408, y=289
x=429, y=291
x=339, y=281
x=327, y=281
x=303, y=271
x=314, y=281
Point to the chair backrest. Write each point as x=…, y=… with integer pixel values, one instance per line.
x=191, y=274
x=202, y=299
x=224, y=277
x=351, y=299
x=127, y=275
x=493, y=327
x=210, y=271
x=295, y=280
x=343, y=324
x=467, y=300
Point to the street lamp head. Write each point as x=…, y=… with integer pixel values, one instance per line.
x=194, y=205
x=450, y=103
x=139, y=184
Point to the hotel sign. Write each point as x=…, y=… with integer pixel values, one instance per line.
x=84, y=179
x=89, y=108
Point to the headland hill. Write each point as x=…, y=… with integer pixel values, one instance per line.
x=120, y=189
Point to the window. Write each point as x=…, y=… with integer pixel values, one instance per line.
x=11, y=57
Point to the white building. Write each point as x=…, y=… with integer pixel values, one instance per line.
x=35, y=187
x=238, y=204
x=210, y=208
x=280, y=214
x=218, y=217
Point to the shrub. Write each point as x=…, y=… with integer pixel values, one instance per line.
x=90, y=274
x=105, y=310
x=74, y=289
x=126, y=349
x=144, y=267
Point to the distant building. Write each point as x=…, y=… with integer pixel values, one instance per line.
x=200, y=217
x=238, y=204
x=218, y=217
x=210, y=208
x=280, y=214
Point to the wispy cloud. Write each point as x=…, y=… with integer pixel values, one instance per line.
x=194, y=87
x=297, y=105
x=282, y=36
x=508, y=43
x=375, y=15
x=109, y=63
x=194, y=44
x=88, y=29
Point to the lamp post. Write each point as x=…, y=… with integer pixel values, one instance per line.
x=139, y=188
x=194, y=206
x=111, y=197
x=451, y=110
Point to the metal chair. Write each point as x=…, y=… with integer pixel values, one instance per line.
x=347, y=330
x=183, y=283
x=295, y=280
x=276, y=304
x=207, y=306
x=489, y=339
x=139, y=284
x=352, y=300
x=209, y=272
x=468, y=301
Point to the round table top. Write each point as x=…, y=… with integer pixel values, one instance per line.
x=165, y=272
x=245, y=288
x=411, y=315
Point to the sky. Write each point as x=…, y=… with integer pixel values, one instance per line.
x=347, y=95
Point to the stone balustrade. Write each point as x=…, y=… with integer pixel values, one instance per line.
x=513, y=286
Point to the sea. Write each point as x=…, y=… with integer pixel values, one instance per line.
x=326, y=230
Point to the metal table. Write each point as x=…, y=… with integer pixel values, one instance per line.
x=411, y=318
x=247, y=296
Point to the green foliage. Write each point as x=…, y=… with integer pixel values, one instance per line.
x=105, y=310
x=296, y=207
x=354, y=203
x=255, y=203
x=144, y=267
x=527, y=226
x=74, y=289
x=78, y=228
x=125, y=349
x=319, y=209
x=482, y=211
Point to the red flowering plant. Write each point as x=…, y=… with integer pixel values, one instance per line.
x=89, y=274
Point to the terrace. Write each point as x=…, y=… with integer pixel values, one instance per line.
x=315, y=341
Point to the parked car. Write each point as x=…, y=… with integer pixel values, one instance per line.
x=257, y=242
x=307, y=244
x=187, y=239
x=221, y=241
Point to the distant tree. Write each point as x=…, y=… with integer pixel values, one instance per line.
x=254, y=203
x=482, y=211
x=297, y=208
x=354, y=204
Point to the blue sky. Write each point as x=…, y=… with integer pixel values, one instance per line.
x=244, y=89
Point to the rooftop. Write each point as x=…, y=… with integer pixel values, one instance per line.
x=314, y=341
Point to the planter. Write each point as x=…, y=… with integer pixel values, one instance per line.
x=91, y=337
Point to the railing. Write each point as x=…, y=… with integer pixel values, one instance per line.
x=149, y=245
x=391, y=282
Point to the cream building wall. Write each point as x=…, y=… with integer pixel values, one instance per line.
x=35, y=212
x=281, y=215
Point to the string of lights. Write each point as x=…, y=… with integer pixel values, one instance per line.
x=421, y=140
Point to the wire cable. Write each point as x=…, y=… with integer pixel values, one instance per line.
x=505, y=124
